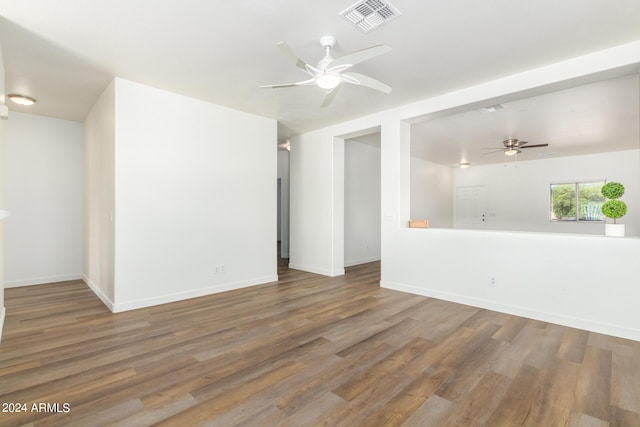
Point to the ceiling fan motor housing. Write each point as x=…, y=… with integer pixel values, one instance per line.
x=327, y=41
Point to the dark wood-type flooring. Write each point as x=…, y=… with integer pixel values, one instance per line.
x=305, y=351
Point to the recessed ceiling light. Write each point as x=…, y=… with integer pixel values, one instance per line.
x=465, y=165
x=492, y=108
x=21, y=99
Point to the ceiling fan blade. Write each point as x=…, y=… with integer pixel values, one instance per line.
x=493, y=152
x=366, y=81
x=536, y=145
x=492, y=148
x=302, y=83
x=286, y=49
x=329, y=97
x=361, y=55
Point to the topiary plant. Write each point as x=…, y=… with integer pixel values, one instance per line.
x=613, y=208
x=612, y=190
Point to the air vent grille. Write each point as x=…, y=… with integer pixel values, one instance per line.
x=367, y=15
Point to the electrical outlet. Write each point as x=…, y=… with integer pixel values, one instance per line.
x=492, y=281
x=219, y=269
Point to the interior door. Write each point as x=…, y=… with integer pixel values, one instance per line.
x=471, y=207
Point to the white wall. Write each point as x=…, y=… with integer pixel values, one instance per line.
x=549, y=276
x=316, y=210
x=432, y=193
x=195, y=187
x=2, y=123
x=99, y=196
x=361, y=203
x=283, y=175
x=518, y=193
x=43, y=173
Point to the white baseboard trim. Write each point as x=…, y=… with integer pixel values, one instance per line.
x=361, y=261
x=179, y=296
x=322, y=271
x=105, y=300
x=2, y=314
x=573, y=322
x=42, y=280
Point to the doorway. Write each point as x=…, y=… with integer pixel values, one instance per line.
x=471, y=207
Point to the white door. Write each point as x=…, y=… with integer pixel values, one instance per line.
x=471, y=207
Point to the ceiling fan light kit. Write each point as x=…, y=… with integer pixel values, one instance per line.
x=21, y=99
x=329, y=73
x=328, y=80
x=512, y=146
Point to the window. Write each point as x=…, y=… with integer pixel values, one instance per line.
x=577, y=201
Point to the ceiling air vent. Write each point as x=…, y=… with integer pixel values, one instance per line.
x=370, y=14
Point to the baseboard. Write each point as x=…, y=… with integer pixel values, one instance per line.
x=179, y=296
x=322, y=271
x=573, y=322
x=2, y=314
x=42, y=280
x=361, y=261
x=105, y=300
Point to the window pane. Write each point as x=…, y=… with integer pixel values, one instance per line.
x=563, y=202
x=590, y=201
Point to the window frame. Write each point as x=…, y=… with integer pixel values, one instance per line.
x=576, y=183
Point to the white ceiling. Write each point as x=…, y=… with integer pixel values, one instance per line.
x=65, y=52
x=593, y=118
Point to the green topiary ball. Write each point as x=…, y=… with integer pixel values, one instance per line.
x=614, y=209
x=613, y=190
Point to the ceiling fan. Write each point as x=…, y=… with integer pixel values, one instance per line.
x=512, y=147
x=329, y=73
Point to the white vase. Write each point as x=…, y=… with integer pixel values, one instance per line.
x=614, y=230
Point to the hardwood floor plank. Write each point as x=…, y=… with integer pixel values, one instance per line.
x=479, y=402
x=625, y=380
x=593, y=392
x=573, y=345
x=398, y=409
x=583, y=420
x=510, y=329
x=431, y=413
x=516, y=408
x=623, y=418
x=556, y=401
x=511, y=360
x=214, y=402
x=389, y=364
x=315, y=414
x=470, y=370
x=326, y=380
x=543, y=355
